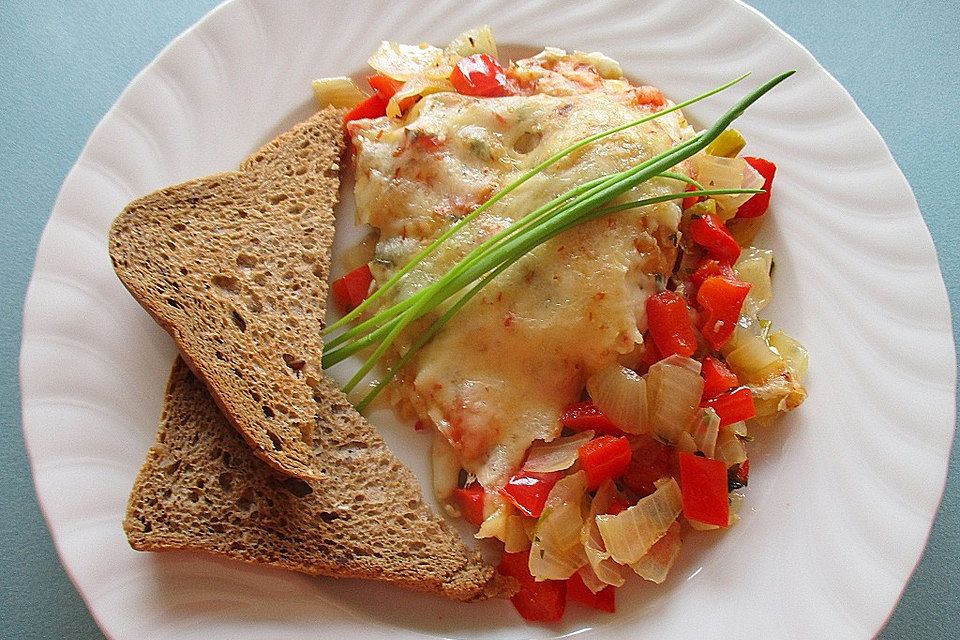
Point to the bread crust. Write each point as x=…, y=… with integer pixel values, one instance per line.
x=234, y=267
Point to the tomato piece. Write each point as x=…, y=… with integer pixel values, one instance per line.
x=710, y=233
x=479, y=75
x=734, y=406
x=542, y=601
x=528, y=490
x=604, y=600
x=585, y=415
x=470, y=500
x=710, y=267
x=372, y=107
x=604, y=458
x=651, y=460
x=703, y=485
x=717, y=378
x=757, y=205
x=352, y=289
x=669, y=324
x=722, y=301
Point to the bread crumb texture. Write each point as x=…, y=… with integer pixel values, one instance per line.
x=202, y=489
x=234, y=267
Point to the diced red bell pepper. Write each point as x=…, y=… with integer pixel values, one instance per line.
x=470, y=500
x=743, y=472
x=717, y=378
x=528, y=490
x=479, y=75
x=734, y=406
x=619, y=505
x=692, y=200
x=604, y=600
x=710, y=267
x=384, y=85
x=585, y=415
x=757, y=205
x=542, y=601
x=651, y=355
x=722, y=301
x=709, y=232
x=651, y=460
x=670, y=325
x=604, y=458
x=372, y=107
x=703, y=485
x=352, y=289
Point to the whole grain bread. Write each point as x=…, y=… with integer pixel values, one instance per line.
x=234, y=267
x=202, y=489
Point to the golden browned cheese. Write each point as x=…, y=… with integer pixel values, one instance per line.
x=498, y=376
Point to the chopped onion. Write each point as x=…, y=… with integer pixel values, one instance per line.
x=556, y=552
x=339, y=92
x=674, y=387
x=479, y=40
x=416, y=88
x=516, y=530
x=718, y=172
x=601, y=567
x=621, y=394
x=792, y=352
x=558, y=454
x=446, y=471
x=754, y=266
x=630, y=534
x=730, y=448
x=754, y=361
x=685, y=442
x=404, y=61
x=656, y=563
x=705, y=431
x=736, y=504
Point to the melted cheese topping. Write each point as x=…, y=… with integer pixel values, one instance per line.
x=498, y=376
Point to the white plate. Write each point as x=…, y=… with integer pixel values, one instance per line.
x=843, y=492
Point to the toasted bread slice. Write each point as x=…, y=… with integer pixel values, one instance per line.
x=202, y=489
x=234, y=267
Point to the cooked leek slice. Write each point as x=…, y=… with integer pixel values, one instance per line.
x=339, y=92
x=630, y=534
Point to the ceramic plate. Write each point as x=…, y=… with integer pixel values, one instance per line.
x=843, y=491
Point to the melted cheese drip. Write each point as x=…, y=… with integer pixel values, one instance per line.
x=498, y=376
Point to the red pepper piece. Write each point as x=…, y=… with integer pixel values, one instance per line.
x=743, y=472
x=604, y=458
x=542, y=601
x=651, y=355
x=619, y=505
x=604, y=600
x=734, y=406
x=372, y=107
x=470, y=499
x=352, y=289
x=757, y=205
x=722, y=300
x=479, y=75
x=669, y=324
x=710, y=233
x=585, y=415
x=717, y=378
x=703, y=484
x=651, y=460
x=710, y=267
x=528, y=490
x=692, y=200
x=385, y=86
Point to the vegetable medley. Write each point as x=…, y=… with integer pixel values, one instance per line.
x=652, y=447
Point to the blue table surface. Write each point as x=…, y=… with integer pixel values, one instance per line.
x=63, y=64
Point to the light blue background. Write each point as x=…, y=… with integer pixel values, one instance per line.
x=63, y=65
